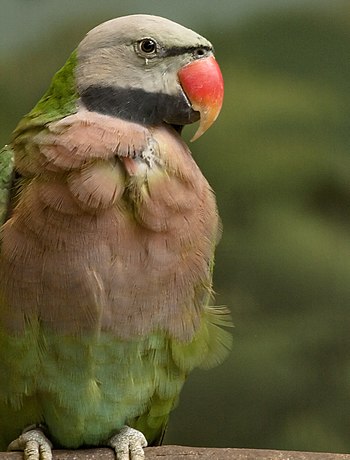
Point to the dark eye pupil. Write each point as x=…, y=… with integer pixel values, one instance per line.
x=148, y=46
x=200, y=52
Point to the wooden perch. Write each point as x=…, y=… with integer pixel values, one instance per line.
x=188, y=453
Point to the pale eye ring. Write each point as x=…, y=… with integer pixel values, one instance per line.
x=200, y=52
x=147, y=46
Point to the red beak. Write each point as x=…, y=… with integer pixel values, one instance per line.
x=203, y=84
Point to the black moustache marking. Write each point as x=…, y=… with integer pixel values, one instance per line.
x=139, y=106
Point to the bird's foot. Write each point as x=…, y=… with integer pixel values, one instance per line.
x=128, y=444
x=34, y=444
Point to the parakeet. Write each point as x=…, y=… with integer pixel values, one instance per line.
x=107, y=244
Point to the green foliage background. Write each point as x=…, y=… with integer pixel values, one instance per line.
x=279, y=161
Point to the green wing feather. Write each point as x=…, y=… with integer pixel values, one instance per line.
x=59, y=100
x=6, y=174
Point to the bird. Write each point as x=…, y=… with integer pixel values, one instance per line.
x=108, y=234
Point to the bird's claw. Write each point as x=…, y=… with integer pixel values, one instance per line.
x=128, y=444
x=34, y=444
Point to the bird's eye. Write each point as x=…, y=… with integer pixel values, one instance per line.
x=148, y=46
x=200, y=52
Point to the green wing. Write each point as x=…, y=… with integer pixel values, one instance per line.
x=6, y=174
x=59, y=101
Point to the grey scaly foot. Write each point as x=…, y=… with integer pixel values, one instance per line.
x=34, y=444
x=128, y=444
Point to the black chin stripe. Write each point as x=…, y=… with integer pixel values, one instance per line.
x=138, y=105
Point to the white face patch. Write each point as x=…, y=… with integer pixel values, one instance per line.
x=145, y=163
x=148, y=156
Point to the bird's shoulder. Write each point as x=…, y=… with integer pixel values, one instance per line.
x=6, y=174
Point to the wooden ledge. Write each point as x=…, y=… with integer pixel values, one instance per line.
x=189, y=453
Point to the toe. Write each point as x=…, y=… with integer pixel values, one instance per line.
x=128, y=444
x=34, y=444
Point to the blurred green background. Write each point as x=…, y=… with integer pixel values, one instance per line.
x=279, y=160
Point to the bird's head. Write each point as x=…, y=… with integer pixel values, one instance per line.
x=150, y=70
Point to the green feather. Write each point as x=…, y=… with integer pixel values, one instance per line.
x=59, y=100
x=6, y=170
x=99, y=382
x=210, y=345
